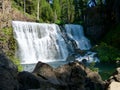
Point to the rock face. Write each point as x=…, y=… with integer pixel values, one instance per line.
x=94, y=23
x=5, y=13
x=8, y=74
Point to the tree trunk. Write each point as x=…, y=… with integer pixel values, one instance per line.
x=38, y=12
x=24, y=7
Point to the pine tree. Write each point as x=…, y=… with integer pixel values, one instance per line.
x=56, y=9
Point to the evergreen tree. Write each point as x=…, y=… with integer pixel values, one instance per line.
x=79, y=6
x=46, y=12
x=67, y=11
x=57, y=10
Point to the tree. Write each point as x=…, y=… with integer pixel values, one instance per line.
x=79, y=7
x=67, y=10
x=56, y=10
x=38, y=10
x=24, y=6
x=46, y=12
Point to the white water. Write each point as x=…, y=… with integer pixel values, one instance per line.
x=75, y=33
x=45, y=42
x=39, y=42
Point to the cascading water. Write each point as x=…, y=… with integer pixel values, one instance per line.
x=45, y=42
x=75, y=33
x=39, y=42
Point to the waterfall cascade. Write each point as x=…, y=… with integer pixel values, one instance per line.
x=75, y=34
x=45, y=42
x=39, y=42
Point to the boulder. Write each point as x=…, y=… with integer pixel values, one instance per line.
x=71, y=76
x=46, y=72
x=8, y=74
x=114, y=86
x=115, y=76
x=28, y=81
x=113, y=83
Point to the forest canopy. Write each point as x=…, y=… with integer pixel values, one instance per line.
x=58, y=11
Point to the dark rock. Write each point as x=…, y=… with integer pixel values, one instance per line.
x=43, y=76
x=94, y=23
x=28, y=81
x=95, y=32
x=71, y=76
x=46, y=72
x=8, y=74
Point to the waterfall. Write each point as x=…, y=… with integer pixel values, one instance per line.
x=76, y=35
x=39, y=42
x=45, y=42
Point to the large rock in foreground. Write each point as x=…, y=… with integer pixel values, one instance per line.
x=8, y=74
x=113, y=82
x=114, y=86
x=71, y=76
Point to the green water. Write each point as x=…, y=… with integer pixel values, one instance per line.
x=106, y=69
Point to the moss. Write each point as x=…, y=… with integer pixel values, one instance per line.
x=16, y=61
x=8, y=45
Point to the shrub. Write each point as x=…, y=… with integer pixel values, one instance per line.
x=107, y=53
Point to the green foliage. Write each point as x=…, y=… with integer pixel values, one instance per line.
x=57, y=10
x=16, y=61
x=47, y=13
x=8, y=45
x=113, y=37
x=107, y=53
x=66, y=11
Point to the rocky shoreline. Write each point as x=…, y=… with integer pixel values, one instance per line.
x=71, y=76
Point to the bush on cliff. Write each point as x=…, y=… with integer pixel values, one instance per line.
x=107, y=53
